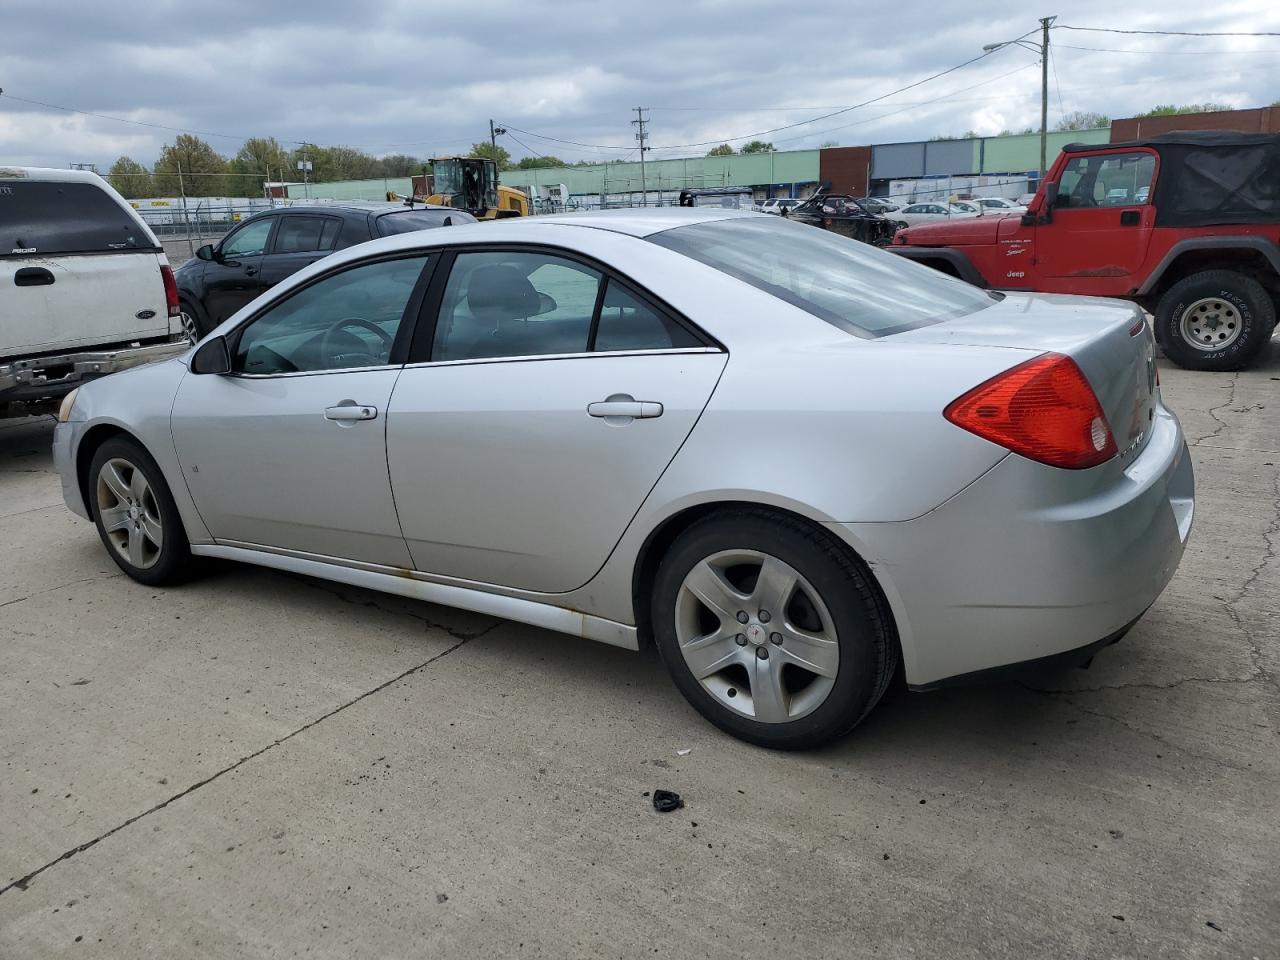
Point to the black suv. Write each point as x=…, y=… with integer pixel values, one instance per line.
x=270, y=246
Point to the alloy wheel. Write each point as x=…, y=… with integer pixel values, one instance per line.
x=1211, y=324
x=189, y=327
x=130, y=513
x=757, y=636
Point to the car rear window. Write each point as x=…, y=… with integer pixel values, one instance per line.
x=406, y=221
x=851, y=285
x=44, y=217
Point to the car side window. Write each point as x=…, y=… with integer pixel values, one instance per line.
x=346, y=320
x=303, y=234
x=1120, y=179
x=515, y=304
x=249, y=241
x=627, y=323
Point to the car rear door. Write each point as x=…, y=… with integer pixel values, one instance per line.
x=234, y=276
x=77, y=268
x=546, y=401
x=300, y=239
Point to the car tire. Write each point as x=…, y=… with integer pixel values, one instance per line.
x=193, y=322
x=133, y=509
x=761, y=689
x=1214, y=320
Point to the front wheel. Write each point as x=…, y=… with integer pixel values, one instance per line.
x=1214, y=320
x=135, y=514
x=771, y=629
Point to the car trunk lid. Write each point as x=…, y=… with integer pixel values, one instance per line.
x=1109, y=340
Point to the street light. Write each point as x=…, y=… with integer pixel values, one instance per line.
x=1042, y=49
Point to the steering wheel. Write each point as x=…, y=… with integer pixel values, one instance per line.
x=327, y=338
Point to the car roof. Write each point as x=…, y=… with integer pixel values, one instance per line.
x=378, y=207
x=48, y=173
x=642, y=222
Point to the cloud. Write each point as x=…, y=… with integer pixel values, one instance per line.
x=403, y=76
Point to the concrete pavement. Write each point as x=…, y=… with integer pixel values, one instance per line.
x=258, y=765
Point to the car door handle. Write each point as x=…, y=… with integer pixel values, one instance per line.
x=348, y=411
x=250, y=271
x=1129, y=218
x=33, y=277
x=622, y=407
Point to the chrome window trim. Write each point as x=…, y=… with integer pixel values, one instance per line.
x=310, y=373
x=670, y=351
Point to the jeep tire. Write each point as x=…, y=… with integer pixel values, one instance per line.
x=1214, y=320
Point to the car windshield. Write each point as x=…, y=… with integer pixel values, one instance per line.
x=853, y=286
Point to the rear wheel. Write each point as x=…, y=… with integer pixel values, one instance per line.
x=1214, y=320
x=771, y=629
x=192, y=325
x=135, y=514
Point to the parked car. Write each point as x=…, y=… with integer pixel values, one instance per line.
x=779, y=205
x=1143, y=220
x=270, y=246
x=880, y=205
x=620, y=425
x=933, y=212
x=1026, y=198
x=85, y=288
x=846, y=216
x=999, y=205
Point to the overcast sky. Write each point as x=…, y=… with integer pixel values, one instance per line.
x=425, y=77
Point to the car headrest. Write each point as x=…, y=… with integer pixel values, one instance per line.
x=501, y=292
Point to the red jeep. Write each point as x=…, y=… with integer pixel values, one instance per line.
x=1187, y=225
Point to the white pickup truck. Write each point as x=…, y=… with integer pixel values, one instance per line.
x=85, y=287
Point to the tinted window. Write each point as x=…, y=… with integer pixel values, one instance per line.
x=627, y=323
x=851, y=285
x=250, y=240
x=500, y=304
x=407, y=221
x=46, y=217
x=304, y=234
x=347, y=320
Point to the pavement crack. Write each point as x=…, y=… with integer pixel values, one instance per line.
x=1252, y=678
x=19, y=513
x=61, y=586
x=22, y=883
x=336, y=591
x=1213, y=412
x=1230, y=604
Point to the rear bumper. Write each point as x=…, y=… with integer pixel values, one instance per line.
x=26, y=379
x=1030, y=562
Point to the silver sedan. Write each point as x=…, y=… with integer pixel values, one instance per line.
x=789, y=461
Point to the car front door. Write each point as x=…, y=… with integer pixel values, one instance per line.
x=288, y=450
x=1101, y=224
x=538, y=417
x=300, y=240
x=233, y=277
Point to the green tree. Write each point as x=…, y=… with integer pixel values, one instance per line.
x=398, y=165
x=203, y=169
x=1169, y=110
x=828, y=144
x=260, y=159
x=724, y=150
x=757, y=146
x=539, y=163
x=1083, y=120
x=131, y=179
x=499, y=155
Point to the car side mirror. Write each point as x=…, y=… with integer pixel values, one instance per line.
x=1050, y=195
x=212, y=357
x=205, y=252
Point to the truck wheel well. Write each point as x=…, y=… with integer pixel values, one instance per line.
x=89, y=445
x=1251, y=263
x=942, y=266
x=660, y=540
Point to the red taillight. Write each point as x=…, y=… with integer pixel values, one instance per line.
x=1043, y=409
x=170, y=290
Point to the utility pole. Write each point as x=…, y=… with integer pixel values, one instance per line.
x=494, y=133
x=186, y=219
x=642, y=136
x=1041, y=48
x=1045, y=23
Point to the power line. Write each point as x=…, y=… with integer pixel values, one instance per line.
x=788, y=126
x=1165, y=53
x=1173, y=33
